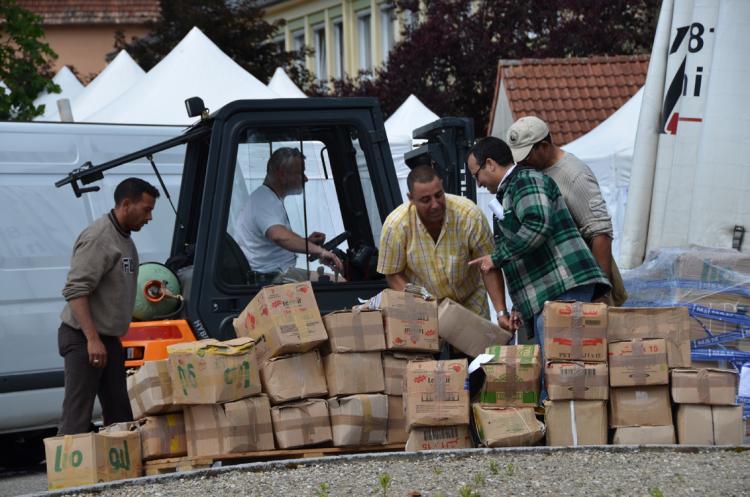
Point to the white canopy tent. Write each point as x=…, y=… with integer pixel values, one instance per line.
x=410, y=115
x=70, y=88
x=608, y=151
x=119, y=75
x=195, y=67
x=282, y=85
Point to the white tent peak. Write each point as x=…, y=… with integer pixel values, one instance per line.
x=195, y=67
x=283, y=85
x=70, y=88
x=119, y=75
x=410, y=115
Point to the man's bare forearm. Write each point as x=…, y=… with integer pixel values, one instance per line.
x=292, y=242
x=493, y=282
x=396, y=281
x=601, y=248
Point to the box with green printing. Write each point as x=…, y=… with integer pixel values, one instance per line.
x=512, y=376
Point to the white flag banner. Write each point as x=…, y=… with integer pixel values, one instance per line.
x=691, y=178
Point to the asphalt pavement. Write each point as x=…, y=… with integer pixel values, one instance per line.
x=23, y=481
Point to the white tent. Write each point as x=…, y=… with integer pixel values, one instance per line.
x=195, y=67
x=283, y=86
x=608, y=151
x=70, y=88
x=119, y=75
x=410, y=115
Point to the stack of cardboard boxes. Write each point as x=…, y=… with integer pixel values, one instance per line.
x=285, y=322
x=436, y=404
x=218, y=385
x=706, y=410
x=366, y=376
x=576, y=373
x=504, y=415
x=647, y=342
x=653, y=346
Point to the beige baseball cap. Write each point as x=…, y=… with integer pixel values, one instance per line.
x=523, y=134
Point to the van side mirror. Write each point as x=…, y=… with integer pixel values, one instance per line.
x=195, y=107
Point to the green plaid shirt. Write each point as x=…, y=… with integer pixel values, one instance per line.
x=538, y=245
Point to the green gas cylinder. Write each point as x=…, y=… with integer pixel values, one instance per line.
x=157, y=292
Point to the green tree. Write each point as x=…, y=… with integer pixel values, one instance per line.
x=237, y=27
x=25, y=63
x=450, y=59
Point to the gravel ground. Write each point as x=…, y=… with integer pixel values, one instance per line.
x=534, y=472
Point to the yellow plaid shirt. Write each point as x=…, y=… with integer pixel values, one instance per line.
x=442, y=267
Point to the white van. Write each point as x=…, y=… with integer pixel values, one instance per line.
x=38, y=225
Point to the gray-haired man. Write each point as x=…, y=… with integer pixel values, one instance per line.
x=263, y=230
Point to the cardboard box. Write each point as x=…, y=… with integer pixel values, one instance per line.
x=639, y=406
x=439, y=438
x=354, y=372
x=241, y=426
x=466, y=331
x=436, y=393
x=670, y=323
x=410, y=321
x=575, y=331
x=394, y=367
x=709, y=425
x=161, y=436
x=397, y=433
x=507, y=426
x=89, y=458
x=301, y=423
x=576, y=380
x=644, y=435
x=284, y=319
x=210, y=371
x=359, y=419
x=355, y=331
x=640, y=361
x=704, y=386
x=576, y=422
x=292, y=377
x=512, y=378
x=150, y=389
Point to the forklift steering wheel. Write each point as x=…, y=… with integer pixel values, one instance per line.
x=332, y=244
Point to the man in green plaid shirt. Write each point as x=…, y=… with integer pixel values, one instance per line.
x=537, y=244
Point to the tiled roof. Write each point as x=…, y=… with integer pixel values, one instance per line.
x=61, y=12
x=572, y=95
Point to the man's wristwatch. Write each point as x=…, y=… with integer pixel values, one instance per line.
x=503, y=313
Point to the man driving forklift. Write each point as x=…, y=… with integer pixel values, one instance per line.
x=263, y=230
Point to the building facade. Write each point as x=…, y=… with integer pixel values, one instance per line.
x=83, y=33
x=346, y=35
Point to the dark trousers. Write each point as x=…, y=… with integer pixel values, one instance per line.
x=83, y=383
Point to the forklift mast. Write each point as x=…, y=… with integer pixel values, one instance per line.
x=448, y=143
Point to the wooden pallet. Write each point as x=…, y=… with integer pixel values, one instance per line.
x=188, y=463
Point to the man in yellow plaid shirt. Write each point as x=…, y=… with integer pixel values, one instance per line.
x=429, y=241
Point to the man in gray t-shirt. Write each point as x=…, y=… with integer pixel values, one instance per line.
x=262, y=229
x=531, y=144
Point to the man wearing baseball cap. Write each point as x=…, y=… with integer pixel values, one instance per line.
x=531, y=145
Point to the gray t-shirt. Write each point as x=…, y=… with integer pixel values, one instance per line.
x=263, y=210
x=582, y=195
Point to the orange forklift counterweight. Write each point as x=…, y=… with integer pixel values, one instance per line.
x=148, y=340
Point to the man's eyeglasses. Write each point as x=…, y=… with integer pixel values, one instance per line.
x=476, y=174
